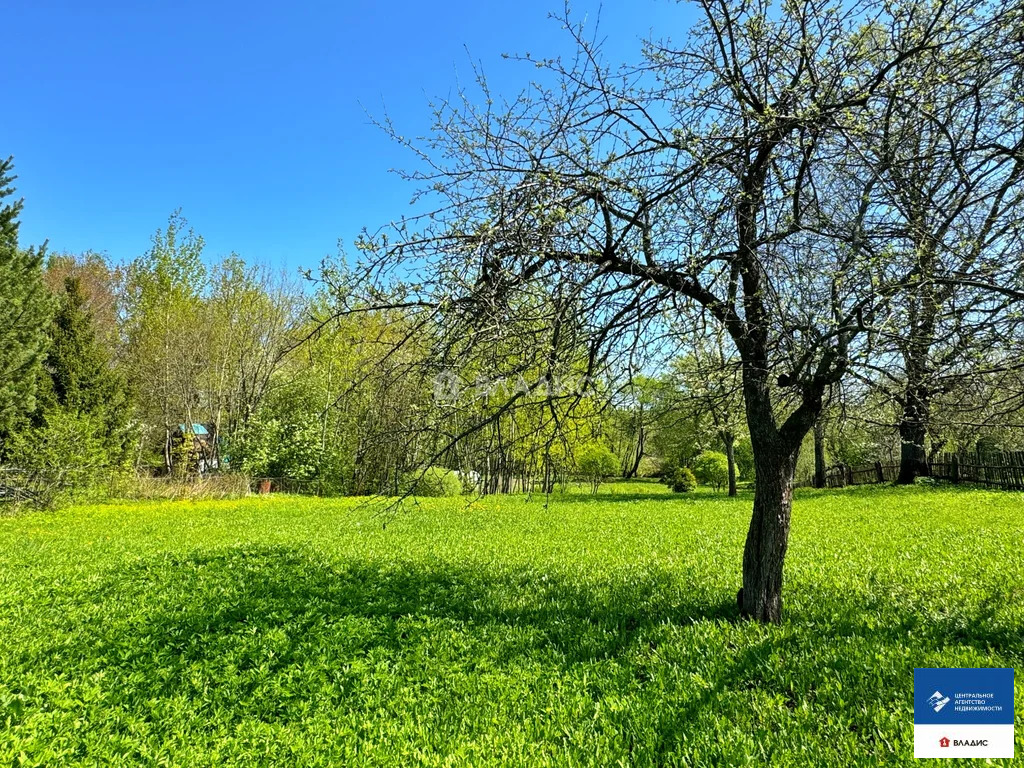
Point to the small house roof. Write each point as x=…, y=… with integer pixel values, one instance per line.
x=197, y=429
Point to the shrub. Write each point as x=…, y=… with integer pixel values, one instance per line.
x=470, y=480
x=432, y=482
x=712, y=468
x=67, y=455
x=596, y=462
x=682, y=480
x=743, y=453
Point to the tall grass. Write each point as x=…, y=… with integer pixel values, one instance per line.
x=583, y=630
x=133, y=487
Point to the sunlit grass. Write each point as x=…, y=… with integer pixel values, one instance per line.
x=596, y=630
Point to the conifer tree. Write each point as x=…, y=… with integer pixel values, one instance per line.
x=80, y=376
x=78, y=430
x=24, y=313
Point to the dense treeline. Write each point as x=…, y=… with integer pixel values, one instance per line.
x=871, y=302
x=177, y=365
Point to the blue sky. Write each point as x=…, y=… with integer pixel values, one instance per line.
x=251, y=117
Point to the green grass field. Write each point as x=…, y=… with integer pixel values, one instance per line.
x=597, y=631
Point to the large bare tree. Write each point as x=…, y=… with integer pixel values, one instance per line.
x=602, y=203
x=941, y=177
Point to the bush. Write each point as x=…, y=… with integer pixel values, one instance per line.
x=743, y=453
x=470, y=480
x=68, y=455
x=431, y=482
x=712, y=468
x=596, y=462
x=682, y=480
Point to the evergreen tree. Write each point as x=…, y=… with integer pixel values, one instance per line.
x=24, y=313
x=79, y=369
x=80, y=378
x=78, y=430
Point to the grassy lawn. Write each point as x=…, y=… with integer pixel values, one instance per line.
x=597, y=631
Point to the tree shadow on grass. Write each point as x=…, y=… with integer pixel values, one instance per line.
x=214, y=592
x=211, y=592
x=257, y=632
x=267, y=633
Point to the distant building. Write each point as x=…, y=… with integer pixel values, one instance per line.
x=197, y=446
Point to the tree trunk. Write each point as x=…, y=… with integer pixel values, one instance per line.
x=913, y=429
x=819, y=454
x=775, y=457
x=730, y=454
x=775, y=449
x=638, y=457
x=768, y=536
x=916, y=400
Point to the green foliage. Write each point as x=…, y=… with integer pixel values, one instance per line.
x=286, y=631
x=80, y=376
x=649, y=467
x=165, y=328
x=682, y=480
x=80, y=371
x=337, y=410
x=172, y=270
x=711, y=468
x=70, y=453
x=743, y=454
x=432, y=482
x=596, y=462
x=78, y=435
x=24, y=314
x=282, y=448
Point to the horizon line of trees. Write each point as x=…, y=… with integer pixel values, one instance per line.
x=108, y=367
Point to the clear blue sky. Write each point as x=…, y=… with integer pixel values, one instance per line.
x=249, y=116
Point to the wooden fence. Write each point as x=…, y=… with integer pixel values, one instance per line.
x=1001, y=470
x=843, y=475
x=998, y=470
x=285, y=485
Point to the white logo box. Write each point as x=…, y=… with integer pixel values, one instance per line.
x=928, y=740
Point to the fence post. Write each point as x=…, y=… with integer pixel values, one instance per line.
x=879, y=472
x=954, y=468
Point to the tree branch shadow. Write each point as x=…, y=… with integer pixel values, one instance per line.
x=278, y=619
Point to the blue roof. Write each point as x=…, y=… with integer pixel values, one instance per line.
x=197, y=429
